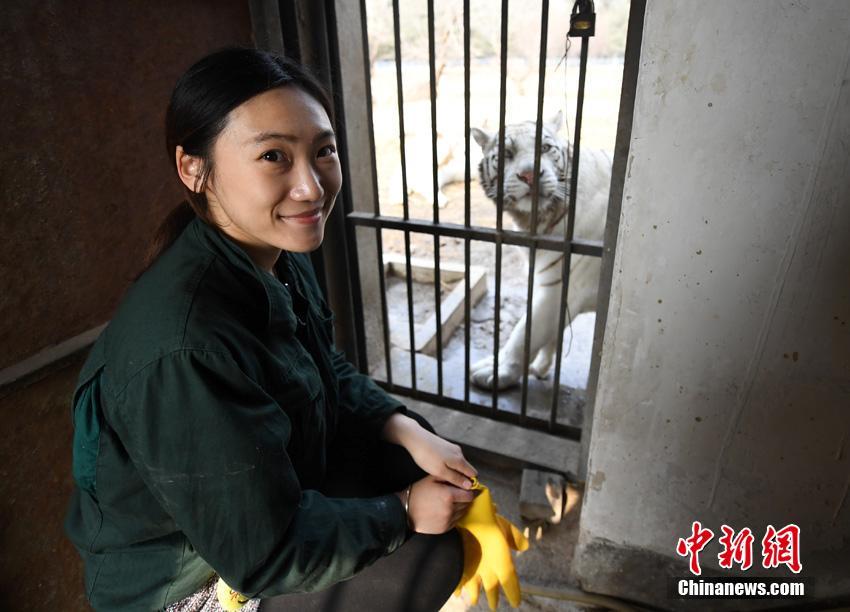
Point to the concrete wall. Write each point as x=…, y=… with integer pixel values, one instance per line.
x=724, y=384
x=84, y=178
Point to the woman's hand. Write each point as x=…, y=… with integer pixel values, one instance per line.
x=435, y=507
x=439, y=458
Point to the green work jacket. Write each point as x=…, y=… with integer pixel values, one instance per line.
x=202, y=421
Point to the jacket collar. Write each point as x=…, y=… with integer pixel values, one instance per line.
x=278, y=296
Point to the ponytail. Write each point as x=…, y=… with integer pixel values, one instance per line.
x=168, y=231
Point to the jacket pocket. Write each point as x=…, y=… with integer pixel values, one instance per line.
x=88, y=418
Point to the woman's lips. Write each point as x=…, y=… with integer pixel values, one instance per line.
x=307, y=217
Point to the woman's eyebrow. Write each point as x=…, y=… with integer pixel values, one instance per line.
x=264, y=136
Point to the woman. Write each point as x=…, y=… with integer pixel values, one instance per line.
x=217, y=430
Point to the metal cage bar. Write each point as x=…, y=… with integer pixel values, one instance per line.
x=500, y=194
x=483, y=234
x=504, y=416
x=438, y=315
x=379, y=246
x=405, y=203
x=467, y=204
x=535, y=201
x=497, y=236
x=571, y=215
x=342, y=276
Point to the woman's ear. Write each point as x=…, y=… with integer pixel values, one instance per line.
x=189, y=168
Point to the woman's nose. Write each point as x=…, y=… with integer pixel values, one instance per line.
x=308, y=187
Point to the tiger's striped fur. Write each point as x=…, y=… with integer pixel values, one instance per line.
x=591, y=203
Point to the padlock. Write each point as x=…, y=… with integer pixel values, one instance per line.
x=582, y=19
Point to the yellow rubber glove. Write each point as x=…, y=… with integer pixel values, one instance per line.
x=488, y=539
x=228, y=599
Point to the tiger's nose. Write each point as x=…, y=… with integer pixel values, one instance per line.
x=527, y=176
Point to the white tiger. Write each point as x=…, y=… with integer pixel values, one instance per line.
x=593, y=187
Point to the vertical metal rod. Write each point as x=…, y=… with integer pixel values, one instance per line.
x=408, y=270
x=325, y=24
x=467, y=307
x=437, y=284
x=535, y=197
x=571, y=216
x=500, y=194
x=382, y=287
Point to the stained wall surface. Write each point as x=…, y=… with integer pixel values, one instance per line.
x=724, y=387
x=84, y=181
x=39, y=568
x=84, y=177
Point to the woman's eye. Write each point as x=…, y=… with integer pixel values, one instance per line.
x=273, y=156
x=327, y=150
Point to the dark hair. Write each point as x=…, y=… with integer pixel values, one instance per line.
x=197, y=113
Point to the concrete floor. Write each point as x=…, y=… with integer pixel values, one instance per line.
x=549, y=556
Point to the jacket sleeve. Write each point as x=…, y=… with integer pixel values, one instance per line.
x=211, y=445
x=363, y=406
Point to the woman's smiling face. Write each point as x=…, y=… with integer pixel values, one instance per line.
x=275, y=174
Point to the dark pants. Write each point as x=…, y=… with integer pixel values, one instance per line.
x=418, y=577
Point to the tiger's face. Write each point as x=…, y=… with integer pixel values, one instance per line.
x=519, y=165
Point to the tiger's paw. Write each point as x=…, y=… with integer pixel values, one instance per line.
x=541, y=365
x=482, y=373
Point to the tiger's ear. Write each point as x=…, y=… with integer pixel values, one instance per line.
x=481, y=137
x=554, y=123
